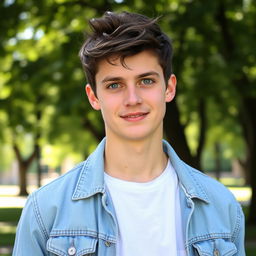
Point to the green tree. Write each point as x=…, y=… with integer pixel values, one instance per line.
x=42, y=83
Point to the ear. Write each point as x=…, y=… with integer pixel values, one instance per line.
x=92, y=97
x=171, y=88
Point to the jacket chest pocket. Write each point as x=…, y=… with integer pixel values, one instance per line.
x=72, y=245
x=215, y=247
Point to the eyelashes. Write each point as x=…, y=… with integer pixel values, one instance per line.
x=145, y=82
x=113, y=86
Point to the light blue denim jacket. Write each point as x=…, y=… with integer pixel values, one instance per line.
x=74, y=215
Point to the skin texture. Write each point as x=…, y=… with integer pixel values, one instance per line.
x=132, y=100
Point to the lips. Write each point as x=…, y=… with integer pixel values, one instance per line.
x=134, y=116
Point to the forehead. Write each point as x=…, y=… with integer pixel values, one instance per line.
x=135, y=64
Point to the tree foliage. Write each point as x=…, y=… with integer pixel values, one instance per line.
x=42, y=82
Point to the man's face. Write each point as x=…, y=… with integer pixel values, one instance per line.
x=132, y=99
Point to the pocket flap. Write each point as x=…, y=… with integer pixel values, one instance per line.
x=71, y=245
x=216, y=247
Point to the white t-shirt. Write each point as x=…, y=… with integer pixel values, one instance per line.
x=148, y=215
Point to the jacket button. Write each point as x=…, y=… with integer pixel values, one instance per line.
x=71, y=251
x=216, y=252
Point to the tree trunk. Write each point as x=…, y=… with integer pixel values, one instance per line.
x=202, y=132
x=38, y=164
x=23, y=168
x=248, y=109
x=99, y=134
x=23, y=179
x=174, y=132
x=217, y=160
x=250, y=106
x=37, y=145
x=252, y=209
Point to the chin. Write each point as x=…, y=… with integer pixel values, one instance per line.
x=139, y=136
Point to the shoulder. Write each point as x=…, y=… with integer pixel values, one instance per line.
x=55, y=197
x=221, y=205
x=196, y=183
x=65, y=183
x=214, y=190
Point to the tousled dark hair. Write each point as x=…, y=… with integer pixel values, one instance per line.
x=124, y=34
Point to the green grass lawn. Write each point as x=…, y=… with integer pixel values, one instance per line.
x=8, y=221
x=10, y=216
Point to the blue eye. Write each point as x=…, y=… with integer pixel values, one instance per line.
x=113, y=86
x=147, y=81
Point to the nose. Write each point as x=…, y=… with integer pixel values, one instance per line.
x=132, y=96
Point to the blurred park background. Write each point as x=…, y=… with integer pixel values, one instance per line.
x=47, y=125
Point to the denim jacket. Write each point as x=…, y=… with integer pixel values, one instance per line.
x=74, y=215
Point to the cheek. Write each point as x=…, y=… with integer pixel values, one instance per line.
x=159, y=98
x=107, y=108
x=161, y=101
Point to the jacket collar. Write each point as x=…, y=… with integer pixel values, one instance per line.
x=186, y=175
x=91, y=180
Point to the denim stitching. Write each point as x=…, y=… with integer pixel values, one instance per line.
x=77, y=194
x=238, y=224
x=54, y=250
x=201, y=253
x=83, y=174
x=207, y=254
x=57, y=232
x=80, y=252
x=209, y=237
x=38, y=217
x=227, y=254
x=92, y=249
x=102, y=236
x=200, y=186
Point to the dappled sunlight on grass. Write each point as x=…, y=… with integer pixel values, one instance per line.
x=5, y=228
x=236, y=186
x=13, y=190
x=231, y=181
x=14, y=201
x=9, y=196
x=242, y=194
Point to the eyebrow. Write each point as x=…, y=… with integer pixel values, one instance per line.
x=119, y=78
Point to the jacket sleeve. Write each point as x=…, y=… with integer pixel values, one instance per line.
x=31, y=236
x=239, y=232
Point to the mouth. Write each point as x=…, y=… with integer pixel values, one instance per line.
x=134, y=116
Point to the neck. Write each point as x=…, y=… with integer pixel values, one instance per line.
x=138, y=161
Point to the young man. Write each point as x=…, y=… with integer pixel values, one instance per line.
x=133, y=196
